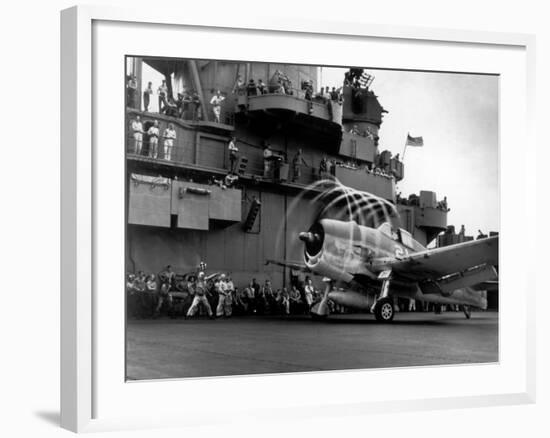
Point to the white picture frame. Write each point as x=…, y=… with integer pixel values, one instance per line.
x=83, y=370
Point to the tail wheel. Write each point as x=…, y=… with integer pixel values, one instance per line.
x=467, y=311
x=383, y=311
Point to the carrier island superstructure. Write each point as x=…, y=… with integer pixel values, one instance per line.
x=177, y=216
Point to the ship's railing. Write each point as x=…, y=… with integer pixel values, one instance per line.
x=414, y=201
x=319, y=107
x=289, y=91
x=192, y=113
x=317, y=98
x=177, y=152
x=213, y=156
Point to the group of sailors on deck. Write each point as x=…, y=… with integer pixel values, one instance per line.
x=153, y=133
x=214, y=295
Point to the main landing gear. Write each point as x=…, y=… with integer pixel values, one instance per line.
x=383, y=310
x=383, y=307
x=467, y=311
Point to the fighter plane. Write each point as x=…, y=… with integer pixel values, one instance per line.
x=377, y=264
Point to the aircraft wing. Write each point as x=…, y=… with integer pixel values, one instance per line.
x=292, y=265
x=447, y=260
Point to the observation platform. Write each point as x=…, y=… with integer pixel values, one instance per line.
x=317, y=115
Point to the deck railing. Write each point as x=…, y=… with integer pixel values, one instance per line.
x=180, y=152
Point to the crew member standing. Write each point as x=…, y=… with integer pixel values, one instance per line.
x=163, y=94
x=148, y=298
x=196, y=107
x=216, y=103
x=153, y=133
x=168, y=276
x=147, y=96
x=164, y=295
x=169, y=136
x=284, y=300
x=309, y=290
x=295, y=299
x=268, y=158
x=137, y=129
x=230, y=292
x=233, y=149
x=200, y=297
x=251, y=88
x=132, y=92
x=239, y=85
x=224, y=297
x=267, y=292
x=250, y=298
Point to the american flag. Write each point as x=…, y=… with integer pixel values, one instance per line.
x=414, y=141
x=365, y=79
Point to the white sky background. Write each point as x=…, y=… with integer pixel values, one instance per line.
x=457, y=115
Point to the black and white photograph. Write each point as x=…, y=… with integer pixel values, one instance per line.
x=301, y=218
x=288, y=219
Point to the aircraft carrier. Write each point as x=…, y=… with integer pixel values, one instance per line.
x=181, y=212
x=176, y=216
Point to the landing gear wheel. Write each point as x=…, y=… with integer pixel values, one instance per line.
x=383, y=310
x=467, y=311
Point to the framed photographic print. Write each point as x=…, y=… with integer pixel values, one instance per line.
x=246, y=218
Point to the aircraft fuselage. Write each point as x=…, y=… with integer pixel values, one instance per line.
x=361, y=258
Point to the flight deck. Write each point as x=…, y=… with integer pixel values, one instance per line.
x=166, y=348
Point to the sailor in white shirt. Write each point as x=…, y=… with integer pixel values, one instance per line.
x=169, y=136
x=137, y=132
x=216, y=103
x=224, y=297
x=309, y=291
x=153, y=133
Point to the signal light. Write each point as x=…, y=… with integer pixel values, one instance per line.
x=241, y=165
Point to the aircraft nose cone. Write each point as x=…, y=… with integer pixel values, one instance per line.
x=313, y=240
